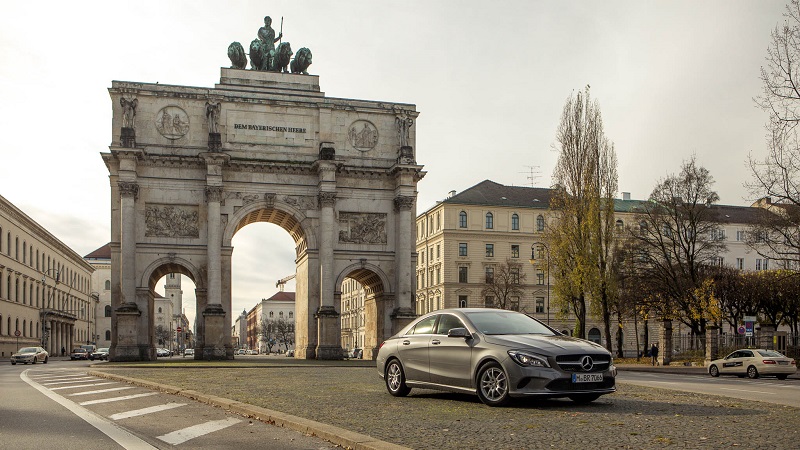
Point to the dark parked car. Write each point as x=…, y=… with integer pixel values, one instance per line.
x=79, y=353
x=31, y=355
x=100, y=353
x=496, y=354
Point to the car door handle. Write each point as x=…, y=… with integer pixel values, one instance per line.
x=406, y=342
x=436, y=342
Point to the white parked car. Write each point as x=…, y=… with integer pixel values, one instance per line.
x=29, y=355
x=754, y=363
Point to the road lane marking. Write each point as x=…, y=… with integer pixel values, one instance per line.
x=143, y=411
x=746, y=390
x=116, y=399
x=101, y=391
x=181, y=436
x=78, y=380
x=76, y=386
x=110, y=429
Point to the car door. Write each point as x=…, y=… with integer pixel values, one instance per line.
x=747, y=358
x=413, y=350
x=450, y=357
x=732, y=363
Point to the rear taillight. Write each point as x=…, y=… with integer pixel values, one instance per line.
x=768, y=361
x=793, y=363
x=380, y=346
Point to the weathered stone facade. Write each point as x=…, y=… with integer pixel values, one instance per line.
x=329, y=171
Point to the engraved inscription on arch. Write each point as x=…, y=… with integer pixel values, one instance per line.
x=362, y=228
x=172, y=221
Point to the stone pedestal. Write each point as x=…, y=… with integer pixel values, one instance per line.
x=128, y=137
x=329, y=344
x=665, y=343
x=406, y=155
x=712, y=344
x=128, y=347
x=766, y=336
x=214, y=345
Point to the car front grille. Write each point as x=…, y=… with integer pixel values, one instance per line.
x=572, y=363
x=568, y=385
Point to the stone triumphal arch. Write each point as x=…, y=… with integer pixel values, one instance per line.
x=191, y=166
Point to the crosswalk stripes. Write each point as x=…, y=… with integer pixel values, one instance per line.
x=55, y=381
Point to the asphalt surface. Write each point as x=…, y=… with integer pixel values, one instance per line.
x=351, y=397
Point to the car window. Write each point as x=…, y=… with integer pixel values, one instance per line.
x=746, y=354
x=28, y=350
x=424, y=326
x=447, y=322
x=770, y=353
x=507, y=322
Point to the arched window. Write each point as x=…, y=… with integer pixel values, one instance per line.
x=108, y=311
x=24, y=328
x=514, y=222
x=159, y=310
x=108, y=335
x=291, y=315
x=271, y=314
x=594, y=335
x=619, y=224
x=16, y=248
x=24, y=252
x=489, y=221
x=539, y=223
x=280, y=314
x=1, y=317
x=37, y=259
x=108, y=285
x=462, y=219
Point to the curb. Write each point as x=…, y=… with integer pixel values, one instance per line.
x=339, y=436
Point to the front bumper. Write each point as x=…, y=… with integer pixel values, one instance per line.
x=23, y=359
x=553, y=382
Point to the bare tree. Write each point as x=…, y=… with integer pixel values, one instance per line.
x=678, y=241
x=266, y=334
x=581, y=239
x=775, y=178
x=505, y=283
x=163, y=335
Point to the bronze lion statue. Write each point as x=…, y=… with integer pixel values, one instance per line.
x=282, y=56
x=237, y=56
x=258, y=55
x=301, y=61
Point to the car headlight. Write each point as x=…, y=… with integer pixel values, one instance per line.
x=527, y=359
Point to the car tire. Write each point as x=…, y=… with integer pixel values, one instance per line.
x=493, y=388
x=781, y=377
x=33, y=361
x=752, y=372
x=713, y=371
x=396, y=379
x=583, y=399
x=45, y=359
x=13, y=363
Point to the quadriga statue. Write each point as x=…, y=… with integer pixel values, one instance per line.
x=237, y=56
x=301, y=61
x=280, y=60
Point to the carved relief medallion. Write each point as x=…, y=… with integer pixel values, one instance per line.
x=362, y=228
x=172, y=122
x=363, y=135
x=172, y=221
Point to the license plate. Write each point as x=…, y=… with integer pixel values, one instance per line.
x=783, y=363
x=587, y=377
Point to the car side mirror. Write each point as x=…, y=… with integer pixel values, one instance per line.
x=458, y=332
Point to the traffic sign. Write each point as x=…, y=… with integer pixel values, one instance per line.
x=17, y=333
x=180, y=329
x=741, y=330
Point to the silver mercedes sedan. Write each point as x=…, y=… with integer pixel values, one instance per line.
x=495, y=353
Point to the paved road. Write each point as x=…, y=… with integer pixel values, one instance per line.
x=770, y=390
x=59, y=406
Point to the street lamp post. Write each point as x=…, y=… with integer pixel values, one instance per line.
x=533, y=258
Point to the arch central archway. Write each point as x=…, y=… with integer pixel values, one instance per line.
x=338, y=175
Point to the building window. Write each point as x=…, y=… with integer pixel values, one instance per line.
x=594, y=335
x=462, y=249
x=540, y=277
x=539, y=304
x=462, y=274
x=107, y=311
x=489, y=275
x=271, y=314
x=514, y=303
x=740, y=235
x=430, y=254
x=488, y=302
x=489, y=221
x=762, y=264
x=515, y=222
x=291, y=315
x=462, y=301
x=515, y=251
x=462, y=219
x=438, y=275
x=540, y=223
x=720, y=261
x=108, y=285
x=438, y=251
x=159, y=310
x=514, y=275
x=740, y=263
x=489, y=250
x=108, y=335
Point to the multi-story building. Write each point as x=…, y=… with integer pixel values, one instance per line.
x=278, y=308
x=462, y=240
x=352, y=314
x=100, y=259
x=45, y=288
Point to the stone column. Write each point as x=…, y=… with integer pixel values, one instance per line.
x=404, y=311
x=665, y=343
x=712, y=344
x=766, y=336
x=213, y=197
x=128, y=193
x=329, y=345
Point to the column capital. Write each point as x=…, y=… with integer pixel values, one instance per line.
x=326, y=199
x=128, y=189
x=403, y=203
x=213, y=193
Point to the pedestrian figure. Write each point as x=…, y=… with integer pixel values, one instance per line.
x=63, y=351
x=654, y=353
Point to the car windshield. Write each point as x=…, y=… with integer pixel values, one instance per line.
x=506, y=322
x=770, y=353
x=27, y=350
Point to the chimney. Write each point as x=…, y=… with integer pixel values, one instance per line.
x=626, y=195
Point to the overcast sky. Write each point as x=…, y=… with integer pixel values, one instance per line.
x=673, y=79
